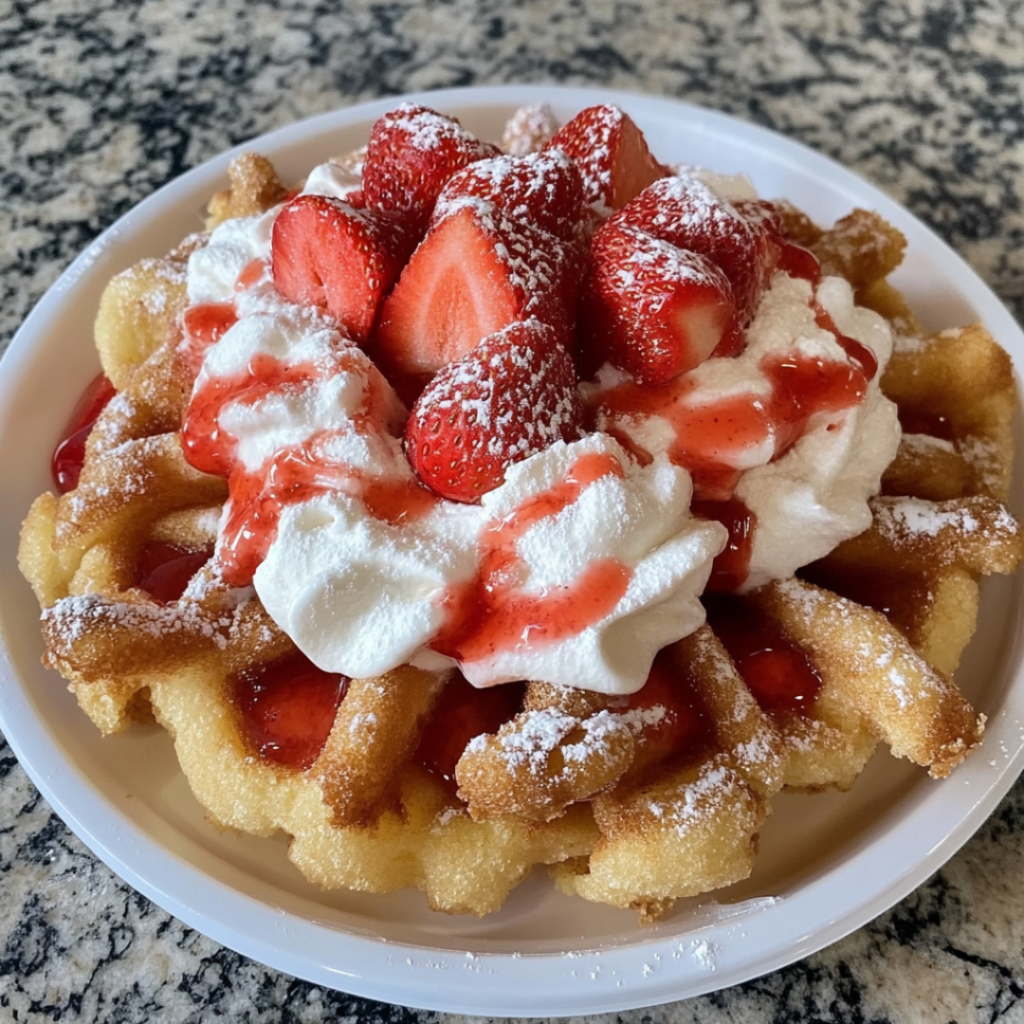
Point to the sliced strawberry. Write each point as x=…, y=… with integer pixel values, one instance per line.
x=513, y=396
x=611, y=153
x=327, y=253
x=654, y=310
x=473, y=274
x=412, y=152
x=543, y=189
x=685, y=212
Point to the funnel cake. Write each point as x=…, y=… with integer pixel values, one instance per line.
x=411, y=777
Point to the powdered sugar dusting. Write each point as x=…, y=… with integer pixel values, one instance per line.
x=896, y=518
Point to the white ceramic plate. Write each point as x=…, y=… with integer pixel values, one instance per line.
x=827, y=864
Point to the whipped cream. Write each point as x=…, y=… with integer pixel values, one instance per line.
x=593, y=559
x=816, y=495
x=360, y=596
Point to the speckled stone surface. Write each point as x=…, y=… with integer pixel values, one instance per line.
x=101, y=103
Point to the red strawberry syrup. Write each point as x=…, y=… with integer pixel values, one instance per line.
x=287, y=708
x=704, y=435
x=492, y=613
x=252, y=273
x=776, y=670
x=731, y=567
x=205, y=324
x=854, y=349
x=164, y=570
x=205, y=446
x=462, y=713
x=69, y=454
x=686, y=727
x=711, y=435
x=797, y=261
x=295, y=473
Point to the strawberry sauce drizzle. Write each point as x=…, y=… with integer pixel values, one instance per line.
x=293, y=475
x=686, y=727
x=462, y=713
x=799, y=262
x=731, y=567
x=776, y=670
x=802, y=263
x=206, y=447
x=205, y=324
x=492, y=613
x=286, y=709
x=252, y=273
x=704, y=435
x=709, y=437
x=69, y=453
x=164, y=570
x=854, y=349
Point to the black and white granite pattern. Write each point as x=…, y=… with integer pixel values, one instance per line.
x=100, y=103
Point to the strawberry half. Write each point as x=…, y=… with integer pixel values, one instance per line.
x=473, y=274
x=654, y=310
x=543, y=189
x=611, y=153
x=513, y=396
x=326, y=252
x=686, y=213
x=412, y=152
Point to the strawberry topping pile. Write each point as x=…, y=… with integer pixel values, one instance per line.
x=482, y=283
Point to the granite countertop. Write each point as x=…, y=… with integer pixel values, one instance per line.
x=102, y=103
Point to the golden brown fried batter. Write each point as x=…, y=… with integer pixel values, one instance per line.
x=635, y=802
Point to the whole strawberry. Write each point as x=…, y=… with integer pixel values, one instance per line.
x=412, y=152
x=512, y=396
x=687, y=214
x=611, y=153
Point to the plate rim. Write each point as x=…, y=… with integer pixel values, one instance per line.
x=431, y=972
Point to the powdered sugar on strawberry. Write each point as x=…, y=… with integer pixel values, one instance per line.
x=512, y=396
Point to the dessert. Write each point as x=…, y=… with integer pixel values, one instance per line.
x=398, y=587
